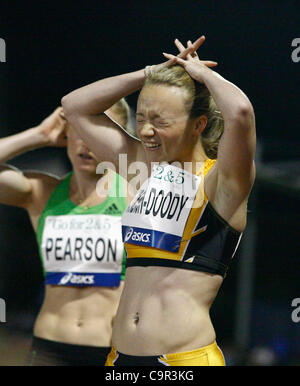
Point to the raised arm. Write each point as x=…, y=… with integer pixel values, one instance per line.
x=15, y=188
x=236, y=149
x=235, y=165
x=84, y=108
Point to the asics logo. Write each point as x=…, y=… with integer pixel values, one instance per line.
x=77, y=279
x=128, y=234
x=137, y=236
x=65, y=278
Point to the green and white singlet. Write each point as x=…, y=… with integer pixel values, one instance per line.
x=82, y=246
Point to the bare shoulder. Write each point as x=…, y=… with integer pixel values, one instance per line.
x=43, y=185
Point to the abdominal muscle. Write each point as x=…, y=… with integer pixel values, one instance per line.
x=165, y=310
x=78, y=315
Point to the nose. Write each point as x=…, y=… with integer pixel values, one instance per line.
x=147, y=130
x=79, y=140
x=82, y=145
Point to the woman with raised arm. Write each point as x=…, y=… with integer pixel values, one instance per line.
x=78, y=229
x=184, y=225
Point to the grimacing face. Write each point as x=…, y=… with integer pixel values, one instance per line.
x=163, y=123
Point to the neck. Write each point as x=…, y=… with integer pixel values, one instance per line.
x=83, y=185
x=198, y=156
x=193, y=159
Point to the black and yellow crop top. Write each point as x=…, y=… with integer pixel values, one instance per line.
x=207, y=242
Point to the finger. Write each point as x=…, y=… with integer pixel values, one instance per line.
x=184, y=53
x=197, y=43
x=194, y=47
x=62, y=115
x=169, y=63
x=179, y=45
x=176, y=59
x=58, y=113
x=209, y=63
x=58, y=110
x=189, y=45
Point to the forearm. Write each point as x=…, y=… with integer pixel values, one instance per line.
x=101, y=95
x=231, y=101
x=17, y=144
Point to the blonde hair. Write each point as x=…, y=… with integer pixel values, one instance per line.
x=198, y=102
x=123, y=111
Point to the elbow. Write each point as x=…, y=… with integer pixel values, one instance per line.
x=74, y=107
x=69, y=106
x=245, y=110
x=243, y=115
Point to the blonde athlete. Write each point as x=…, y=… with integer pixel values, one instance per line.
x=179, y=241
x=81, y=256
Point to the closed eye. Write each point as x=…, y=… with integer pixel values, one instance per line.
x=140, y=117
x=161, y=123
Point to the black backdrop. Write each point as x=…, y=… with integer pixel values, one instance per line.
x=55, y=47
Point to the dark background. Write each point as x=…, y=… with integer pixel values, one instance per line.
x=56, y=47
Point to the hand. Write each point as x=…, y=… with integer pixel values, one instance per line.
x=53, y=128
x=183, y=53
x=191, y=62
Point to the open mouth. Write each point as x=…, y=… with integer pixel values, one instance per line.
x=151, y=146
x=85, y=156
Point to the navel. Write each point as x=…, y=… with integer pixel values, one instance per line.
x=79, y=323
x=136, y=318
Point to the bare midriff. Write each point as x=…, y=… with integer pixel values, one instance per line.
x=165, y=310
x=78, y=315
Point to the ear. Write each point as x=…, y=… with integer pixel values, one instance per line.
x=200, y=125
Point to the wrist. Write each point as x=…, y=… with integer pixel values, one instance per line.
x=210, y=76
x=37, y=137
x=204, y=75
x=148, y=70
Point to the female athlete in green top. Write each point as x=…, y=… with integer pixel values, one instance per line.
x=79, y=241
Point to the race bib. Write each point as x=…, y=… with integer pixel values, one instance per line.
x=157, y=215
x=82, y=250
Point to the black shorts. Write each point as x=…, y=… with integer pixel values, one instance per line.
x=50, y=353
